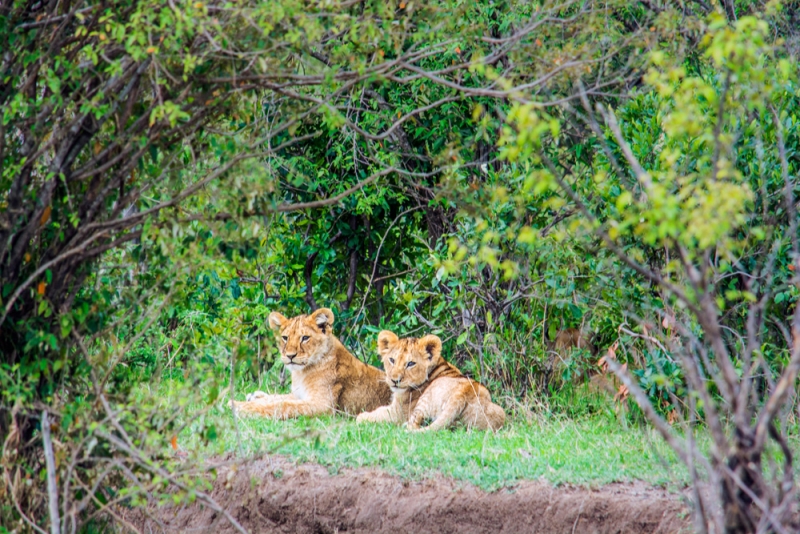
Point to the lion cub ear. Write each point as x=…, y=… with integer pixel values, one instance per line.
x=276, y=320
x=323, y=318
x=386, y=341
x=431, y=345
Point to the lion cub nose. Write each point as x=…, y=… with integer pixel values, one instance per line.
x=396, y=381
x=291, y=356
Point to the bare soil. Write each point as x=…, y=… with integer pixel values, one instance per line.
x=273, y=494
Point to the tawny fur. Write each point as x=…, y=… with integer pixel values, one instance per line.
x=566, y=340
x=325, y=376
x=426, y=387
x=571, y=338
x=596, y=382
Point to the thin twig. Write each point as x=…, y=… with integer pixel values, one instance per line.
x=144, y=463
x=50, y=461
x=232, y=393
x=378, y=256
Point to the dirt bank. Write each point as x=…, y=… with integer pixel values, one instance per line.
x=285, y=497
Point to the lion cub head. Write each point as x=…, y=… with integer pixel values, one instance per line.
x=305, y=339
x=408, y=361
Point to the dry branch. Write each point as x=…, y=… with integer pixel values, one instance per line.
x=50, y=461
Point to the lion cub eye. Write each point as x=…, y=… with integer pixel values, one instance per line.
x=305, y=338
x=391, y=360
x=285, y=338
x=411, y=364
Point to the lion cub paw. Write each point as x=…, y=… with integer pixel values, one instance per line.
x=256, y=395
x=363, y=418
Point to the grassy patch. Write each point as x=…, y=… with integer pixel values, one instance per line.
x=587, y=444
x=589, y=451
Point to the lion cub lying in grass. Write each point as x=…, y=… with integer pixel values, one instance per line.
x=425, y=386
x=325, y=376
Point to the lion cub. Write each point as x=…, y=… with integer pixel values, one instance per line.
x=325, y=376
x=559, y=350
x=425, y=386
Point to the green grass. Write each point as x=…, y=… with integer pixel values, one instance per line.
x=591, y=451
x=569, y=438
x=584, y=442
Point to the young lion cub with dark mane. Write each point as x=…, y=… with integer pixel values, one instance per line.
x=425, y=386
x=325, y=376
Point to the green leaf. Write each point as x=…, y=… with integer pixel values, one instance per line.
x=213, y=394
x=462, y=338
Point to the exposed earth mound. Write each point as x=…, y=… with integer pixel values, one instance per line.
x=273, y=494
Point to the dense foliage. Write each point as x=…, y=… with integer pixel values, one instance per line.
x=492, y=172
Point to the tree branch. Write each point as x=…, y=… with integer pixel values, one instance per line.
x=50, y=461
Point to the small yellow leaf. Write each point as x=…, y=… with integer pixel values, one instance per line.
x=526, y=235
x=41, y=287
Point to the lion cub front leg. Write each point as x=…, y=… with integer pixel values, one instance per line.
x=249, y=404
x=263, y=397
x=442, y=418
x=286, y=408
x=379, y=415
x=384, y=414
x=425, y=409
